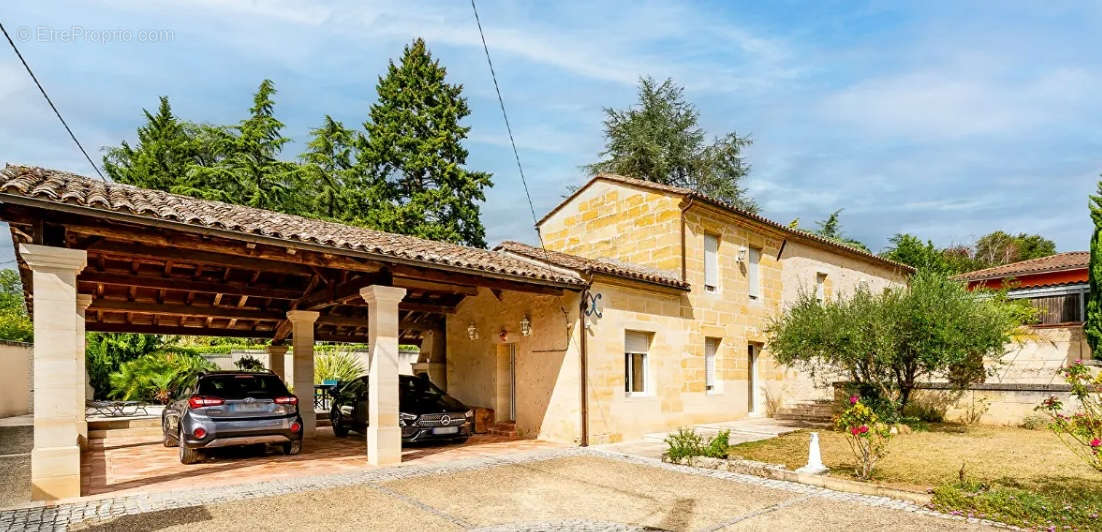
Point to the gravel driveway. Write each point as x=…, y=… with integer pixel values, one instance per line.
x=586, y=491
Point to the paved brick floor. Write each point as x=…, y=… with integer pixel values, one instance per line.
x=130, y=465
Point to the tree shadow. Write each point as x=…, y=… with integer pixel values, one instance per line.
x=150, y=521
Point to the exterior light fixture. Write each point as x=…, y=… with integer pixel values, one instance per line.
x=525, y=326
x=472, y=331
x=741, y=256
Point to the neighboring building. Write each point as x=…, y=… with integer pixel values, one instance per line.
x=661, y=355
x=1057, y=286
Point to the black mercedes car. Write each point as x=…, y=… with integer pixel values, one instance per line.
x=229, y=408
x=426, y=413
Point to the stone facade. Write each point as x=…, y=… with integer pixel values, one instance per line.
x=664, y=230
x=546, y=364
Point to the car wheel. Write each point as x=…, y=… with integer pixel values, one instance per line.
x=187, y=454
x=169, y=441
x=292, y=448
x=339, y=429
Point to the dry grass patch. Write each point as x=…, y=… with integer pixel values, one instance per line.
x=1003, y=466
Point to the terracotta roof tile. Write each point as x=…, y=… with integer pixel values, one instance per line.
x=1071, y=260
x=52, y=186
x=586, y=265
x=682, y=191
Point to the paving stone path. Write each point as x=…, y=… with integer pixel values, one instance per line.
x=61, y=516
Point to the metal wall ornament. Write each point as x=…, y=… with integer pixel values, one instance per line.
x=593, y=305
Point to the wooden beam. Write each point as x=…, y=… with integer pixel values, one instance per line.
x=340, y=293
x=426, y=307
x=413, y=272
x=178, y=255
x=435, y=286
x=188, y=285
x=138, y=307
x=287, y=255
x=174, y=330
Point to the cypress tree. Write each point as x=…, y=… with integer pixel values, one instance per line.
x=413, y=158
x=329, y=170
x=1093, y=325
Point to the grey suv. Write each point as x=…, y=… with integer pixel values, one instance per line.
x=229, y=408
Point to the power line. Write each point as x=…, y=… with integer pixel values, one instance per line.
x=49, y=101
x=508, y=128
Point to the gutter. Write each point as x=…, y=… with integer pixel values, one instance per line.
x=262, y=239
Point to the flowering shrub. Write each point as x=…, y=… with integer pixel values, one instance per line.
x=866, y=434
x=1082, y=431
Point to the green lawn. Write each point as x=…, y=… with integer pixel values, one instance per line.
x=1019, y=476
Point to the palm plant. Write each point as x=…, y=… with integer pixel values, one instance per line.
x=339, y=365
x=156, y=376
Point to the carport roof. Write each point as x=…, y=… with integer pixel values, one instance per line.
x=586, y=265
x=40, y=187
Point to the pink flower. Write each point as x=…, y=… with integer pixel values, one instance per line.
x=853, y=399
x=855, y=431
x=1096, y=442
x=863, y=429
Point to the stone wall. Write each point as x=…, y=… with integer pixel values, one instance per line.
x=1036, y=360
x=17, y=369
x=618, y=221
x=548, y=371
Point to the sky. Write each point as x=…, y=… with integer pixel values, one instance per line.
x=947, y=120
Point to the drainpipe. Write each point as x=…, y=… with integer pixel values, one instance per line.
x=584, y=352
x=688, y=204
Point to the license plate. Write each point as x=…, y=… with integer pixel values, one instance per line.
x=248, y=407
x=445, y=430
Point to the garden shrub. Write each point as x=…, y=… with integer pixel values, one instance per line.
x=866, y=434
x=156, y=376
x=249, y=363
x=976, y=410
x=1034, y=422
x=1082, y=431
x=338, y=365
x=685, y=444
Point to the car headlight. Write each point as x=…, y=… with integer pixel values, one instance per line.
x=469, y=414
x=405, y=419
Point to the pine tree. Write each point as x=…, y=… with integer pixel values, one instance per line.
x=164, y=150
x=249, y=171
x=415, y=180
x=329, y=169
x=1093, y=325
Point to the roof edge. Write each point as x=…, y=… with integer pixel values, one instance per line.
x=263, y=239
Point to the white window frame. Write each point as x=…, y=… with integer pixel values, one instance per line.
x=629, y=365
x=820, y=286
x=753, y=274
x=711, y=264
x=712, y=384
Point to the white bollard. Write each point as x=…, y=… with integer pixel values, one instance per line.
x=814, y=458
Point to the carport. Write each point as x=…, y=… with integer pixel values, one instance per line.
x=113, y=258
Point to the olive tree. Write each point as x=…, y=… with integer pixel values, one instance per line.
x=888, y=342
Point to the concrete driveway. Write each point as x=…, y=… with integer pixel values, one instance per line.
x=569, y=490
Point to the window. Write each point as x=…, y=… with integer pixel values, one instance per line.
x=753, y=275
x=711, y=347
x=820, y=287
x=711, y=263
x=636, y=345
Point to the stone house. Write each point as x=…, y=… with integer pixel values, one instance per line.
x=662, y=354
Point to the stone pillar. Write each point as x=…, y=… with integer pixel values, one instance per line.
x=82, y=382
x=276, y=355
x=55, y=459
x=302, y=337
x=384, y=436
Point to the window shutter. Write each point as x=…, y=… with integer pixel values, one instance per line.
x=710, y=347
x=752, y=272
x=711, y=261
x=636, y=342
